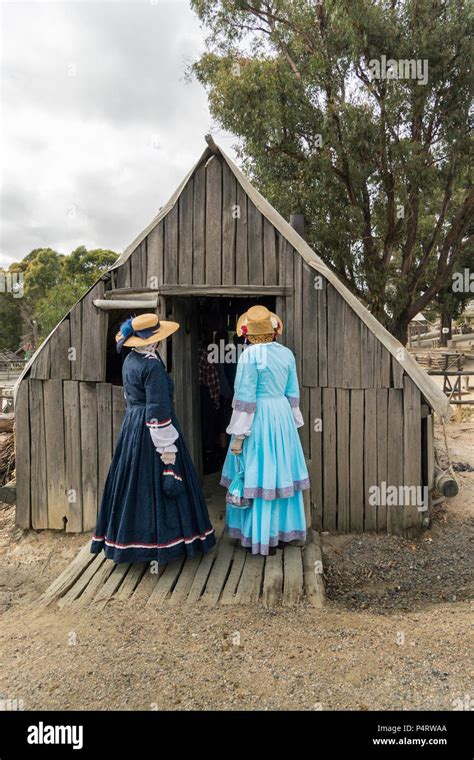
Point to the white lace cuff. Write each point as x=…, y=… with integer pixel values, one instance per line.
x=240, y=423
x=163, y=437
x=297, y=416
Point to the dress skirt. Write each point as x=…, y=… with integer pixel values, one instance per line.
x=275, y=474
x=137, y=521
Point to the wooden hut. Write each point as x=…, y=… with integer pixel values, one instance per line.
x=217, y=247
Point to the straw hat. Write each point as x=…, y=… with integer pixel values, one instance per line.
x=143, y=330
x=258, y=320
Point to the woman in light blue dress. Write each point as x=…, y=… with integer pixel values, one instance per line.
x=265, y=441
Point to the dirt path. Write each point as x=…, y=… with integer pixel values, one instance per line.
x=393, y=635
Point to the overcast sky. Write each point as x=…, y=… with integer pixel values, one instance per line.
x=98, y=126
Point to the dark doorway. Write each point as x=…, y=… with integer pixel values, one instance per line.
x=207, y=321
x=114, y=360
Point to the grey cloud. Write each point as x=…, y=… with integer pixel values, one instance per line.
x=114, y=140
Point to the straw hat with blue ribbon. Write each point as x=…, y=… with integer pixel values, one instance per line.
x=144, y=330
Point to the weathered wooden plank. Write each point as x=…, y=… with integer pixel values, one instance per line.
x=309, y=375
x=138, y=276
x=185, y=581
x=69, y=576
x=185, y=237
x=60, y=343
x=298, y=314
x=430, y=463
x=292, y=576
x=170, y=249
x=241, y=249
x=147, y=583
x=88, y=406
x=229, y=225
x=270, y=271
x=382, y=452
x=315, y=466
x=95, y=585
x=322, y=334
x=281, y=259
x=154, y=276
x=255, y=244
x=22, y=455
x=219, y=573
x=357, y=461
x=351, y=372
x=273, y=580
x=104, y=434
x=131, y=581
x=55, y=448
x=94, y=328
x=397, y=373
x=213, y=221
x=118, y=411
x=308, y=516
x=72, y=444
x=412, y=515
x=335, y=344
x=111, y=585
x=162, y=313
x=343, y=465
x=75, y=324
x=82, y=581
x=124, y=275
x=286, y=257
x=39, y=489
x=304, y=431
x=40, y=369
x=395, y=445
x=367, y=342
x=313, y=572
x=382, y=365
x=248, y=590
x=329, y=459
x=199, y=226
x=202, y=574
x=370, y=457
x=230, y=588
x=166, y=583
x=385, y=368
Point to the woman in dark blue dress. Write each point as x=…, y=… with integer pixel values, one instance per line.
x=138, y=520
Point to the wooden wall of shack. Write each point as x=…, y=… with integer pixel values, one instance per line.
x=372, y=429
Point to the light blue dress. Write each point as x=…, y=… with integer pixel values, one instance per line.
x=266, y=410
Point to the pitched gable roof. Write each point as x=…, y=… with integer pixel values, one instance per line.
x=428, y=387
x=431, y=391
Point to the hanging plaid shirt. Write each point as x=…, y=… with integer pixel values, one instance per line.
x=208, y=376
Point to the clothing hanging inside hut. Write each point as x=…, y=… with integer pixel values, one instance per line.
x=266, y=412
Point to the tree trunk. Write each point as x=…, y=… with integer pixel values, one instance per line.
x=400, y=331
x=446, y=322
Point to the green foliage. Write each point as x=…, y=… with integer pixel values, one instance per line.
x=378, y=166
x=52, y=284
x=10, y=322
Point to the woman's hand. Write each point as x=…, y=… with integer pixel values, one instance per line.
x=236, y=445
x=168, y=457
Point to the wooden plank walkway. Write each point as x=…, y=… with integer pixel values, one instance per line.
x=227, y=575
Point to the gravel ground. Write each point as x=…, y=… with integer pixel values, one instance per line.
x=392, y=635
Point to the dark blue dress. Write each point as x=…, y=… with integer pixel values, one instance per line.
x=137, y=521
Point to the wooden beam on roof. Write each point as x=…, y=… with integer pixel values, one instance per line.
x=113, y=303
x=211, y=144
x=145, y=294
